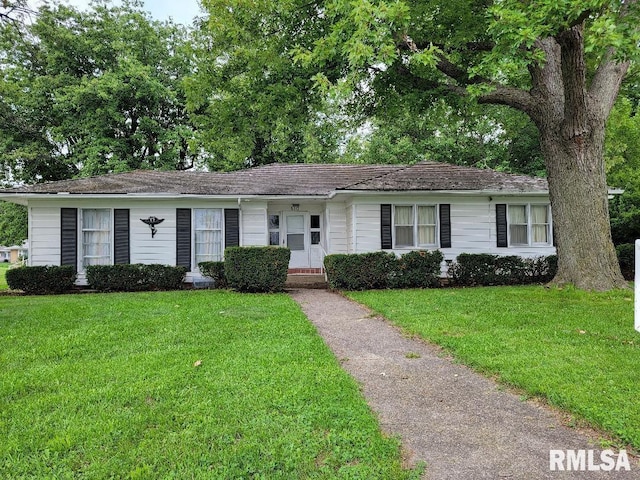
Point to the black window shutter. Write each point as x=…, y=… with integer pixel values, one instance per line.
x=445, y=225
x=501, y=224
x=69, y=237
x=121, y=236
x=183, y=237
x=386, y=238
x=231, y=227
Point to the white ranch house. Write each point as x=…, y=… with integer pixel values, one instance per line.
x=183, y=218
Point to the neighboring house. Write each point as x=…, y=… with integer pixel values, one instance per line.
x=183, y=218
x=15, y=253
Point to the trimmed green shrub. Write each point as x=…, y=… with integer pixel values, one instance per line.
x=135, y=277
x=214, y=270
x=420, y=269
x=164, y=277
x=361, y=271
x=379, y=270
x=484, y=269
x=41, y=280
x=256, y=269
x=627, y=258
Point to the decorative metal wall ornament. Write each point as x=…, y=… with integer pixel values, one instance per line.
x=152, y=222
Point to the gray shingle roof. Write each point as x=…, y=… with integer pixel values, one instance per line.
x=440, y=176
x=294, y=179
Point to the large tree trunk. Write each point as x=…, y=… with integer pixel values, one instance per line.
x=580, y=211
x=571, y=121
x=571, y=117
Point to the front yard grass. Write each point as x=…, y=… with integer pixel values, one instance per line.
x=192, y=384
x=577, y=350
x=4, y=266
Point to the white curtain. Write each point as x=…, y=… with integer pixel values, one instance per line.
x=540, y=223
x=96, y=237
x=518, y=224
x=426, y=225
x=208, y=234
x=404, y=226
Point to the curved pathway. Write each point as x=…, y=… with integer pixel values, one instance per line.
x=457, y=421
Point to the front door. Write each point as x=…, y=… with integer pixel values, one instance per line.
x=295, y=237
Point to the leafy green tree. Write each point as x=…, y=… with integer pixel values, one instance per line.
x=559, y=62
x=622, y=154
x=90, y=92
x=13, y=224
x=464, y=134
x=251, y=103
x=14, y=11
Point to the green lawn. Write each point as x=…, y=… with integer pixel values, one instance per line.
x=107, y=386
x=578, y=350
x=3, y=282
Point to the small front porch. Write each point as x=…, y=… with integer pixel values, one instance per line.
x=306, y=278
x=302, y=227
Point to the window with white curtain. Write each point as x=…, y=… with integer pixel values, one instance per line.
x=426, y=225
x=518, y=225
x=529, y=225
x=403, y=222
x=96, y=236
x=414, y=225
x=207, y=227
x=540, y=224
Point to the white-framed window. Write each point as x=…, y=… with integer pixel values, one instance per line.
x=529, y=224
x=414, y=226
x=274, y=229
x=314, y=228
x=96, y=236
x=207, y=227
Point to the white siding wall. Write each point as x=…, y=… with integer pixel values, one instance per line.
x=44, y=236
x=254, y=224
x=350, y=219
x=367, y=227
x=162, y=247
x=338, y=217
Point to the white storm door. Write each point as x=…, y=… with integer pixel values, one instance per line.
x=295, y=238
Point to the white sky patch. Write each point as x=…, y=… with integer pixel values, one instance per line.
x=183, y=11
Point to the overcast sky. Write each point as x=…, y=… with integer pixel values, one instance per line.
x=182, y=11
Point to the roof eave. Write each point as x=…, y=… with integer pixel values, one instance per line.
x=447, y=192
x=24, y=197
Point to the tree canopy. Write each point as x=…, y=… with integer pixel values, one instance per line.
x=251, y=103
x=13, y=224
x=89, y=92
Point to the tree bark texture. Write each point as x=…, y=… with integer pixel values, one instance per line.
x=578, y=192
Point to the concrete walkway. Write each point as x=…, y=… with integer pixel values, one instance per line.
x=457, y=421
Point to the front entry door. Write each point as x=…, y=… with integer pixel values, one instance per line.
x=296, y=239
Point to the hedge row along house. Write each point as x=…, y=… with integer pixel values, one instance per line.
x=184, y=218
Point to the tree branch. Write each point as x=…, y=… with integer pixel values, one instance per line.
x=444, y=65
x=511, y=97
x=501, y=95
x=606, y=83
x=479, y=46
x=546, y=76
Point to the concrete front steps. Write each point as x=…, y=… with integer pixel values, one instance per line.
x=309, y=278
